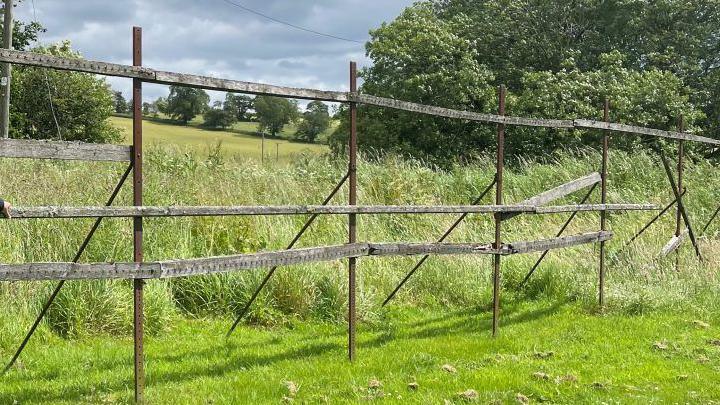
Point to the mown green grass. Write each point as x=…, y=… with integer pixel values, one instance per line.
x=547, y=351
x=241, y=140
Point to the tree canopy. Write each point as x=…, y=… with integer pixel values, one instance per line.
x=238, y=105
x=654, y=60
x=185, y=103
x=273, y=113
x=315, y=120
x=48, y=103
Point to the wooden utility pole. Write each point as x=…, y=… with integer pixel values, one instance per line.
x=6, y=70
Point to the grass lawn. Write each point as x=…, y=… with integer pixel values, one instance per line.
x=241, y=140
x=557, y=352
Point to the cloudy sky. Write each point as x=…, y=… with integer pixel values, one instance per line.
x=214, y=37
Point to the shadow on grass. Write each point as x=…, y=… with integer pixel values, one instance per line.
x=230, y=356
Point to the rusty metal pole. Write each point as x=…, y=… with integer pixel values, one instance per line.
x=603, y=200
x=500, y=161
x=138, y=221
x=6, y=71
x=680, y=168
x=352, y=224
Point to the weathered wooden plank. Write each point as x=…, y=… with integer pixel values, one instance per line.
x=223, y=264
x=596, y=207
x=40, y=149
x=173, y=211
x=450, y=113
x=153, y=76
x=177, y=268
x=75, y=64
x=559, y=192
x=559, y=242
x=212, y=83
x=190, y=211
x=673, y=244
x=609, y=126
x=441, y=248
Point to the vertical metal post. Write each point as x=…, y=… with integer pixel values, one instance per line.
x=500, y=161
x=138, y=221
x=603, y=200
x=680, y=167
x=352, y=200
x=277, y=152
x=6, y=71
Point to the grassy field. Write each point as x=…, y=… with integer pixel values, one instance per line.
x=295, y=330
x=241, y=140
x=555, y=352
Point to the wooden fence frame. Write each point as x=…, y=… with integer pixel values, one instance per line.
x=138, y=270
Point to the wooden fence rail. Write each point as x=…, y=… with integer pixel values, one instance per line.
x=212, y=83
x=41, y=149
x=223, y=264
x=183, y=211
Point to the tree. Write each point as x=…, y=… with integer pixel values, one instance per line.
x=185, y=103
x=238, y=105
x=419, y=58
x=218, y=117
x=513, y=37
x=160, y=105
x=48, y=103
x=652, y=98
x=121, y=105
x=316, y=119
x=455, y=53
x=274, y=113
x=24, y=33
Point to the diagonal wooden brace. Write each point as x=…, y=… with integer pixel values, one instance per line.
x=680, y=204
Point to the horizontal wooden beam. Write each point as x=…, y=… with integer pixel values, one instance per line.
x=212, y=83
x=224, y=264
x=559, y=242
x=153, y=76
x=184, y=211
x=557, y=209
x=440, y=248
x=631, y=129
x=178, y=268
x=459, y=114
x=40, y=149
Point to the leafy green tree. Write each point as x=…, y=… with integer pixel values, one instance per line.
x=24, y=33
x=454, y=53
x=315, y=120
x=218, y=117
x=160, y=105
x=652, y=98
x=185, y=103
x=273, y=113
x=419, y=58
x=49, y=103
x=121, y=105
x=238, y=105
x=513, y=37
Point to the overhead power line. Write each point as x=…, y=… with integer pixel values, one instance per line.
x=249, y=10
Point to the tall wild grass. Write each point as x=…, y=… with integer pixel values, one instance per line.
x=638, y=280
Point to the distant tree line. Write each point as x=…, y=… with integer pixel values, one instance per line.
x=272, y=114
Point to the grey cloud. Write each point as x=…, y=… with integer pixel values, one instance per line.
x=214, y=38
